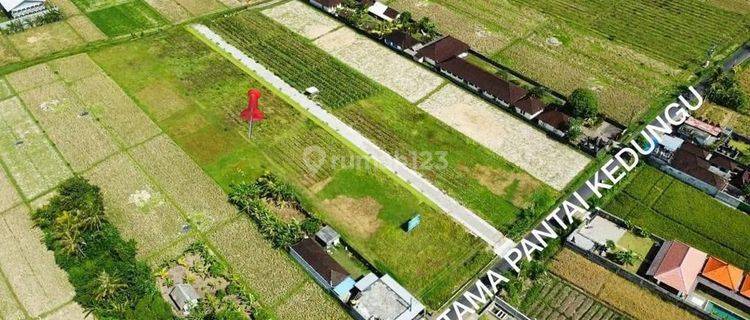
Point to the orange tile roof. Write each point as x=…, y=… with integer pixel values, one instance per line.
x=745, y=290
x=723, y=273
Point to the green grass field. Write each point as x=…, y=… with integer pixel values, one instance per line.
x=398, y=126
x=204, y=123
x=673, y=210
x=126, y=18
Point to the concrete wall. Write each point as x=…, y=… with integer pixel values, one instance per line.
x=705, y=187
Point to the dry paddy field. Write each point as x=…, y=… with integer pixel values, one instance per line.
x=9, y=306
x=29, y=157
x=180, y=10
x=38, y=283
x=302, y=19
x=550, y=161
x=8, y=196
x=68, y=312
x=405, y=77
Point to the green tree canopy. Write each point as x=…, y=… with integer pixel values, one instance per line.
x=584, y=103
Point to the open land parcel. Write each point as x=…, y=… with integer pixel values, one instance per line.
x=206, y=126
x=570, y=44
x=391, y=121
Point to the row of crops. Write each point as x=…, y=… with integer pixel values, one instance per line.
x=557, y=300
x=677, y=31
x=287, y=55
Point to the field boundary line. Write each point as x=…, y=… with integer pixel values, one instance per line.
x=359, y=143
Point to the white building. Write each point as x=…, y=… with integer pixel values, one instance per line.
x=20, y=8
x=384, y=298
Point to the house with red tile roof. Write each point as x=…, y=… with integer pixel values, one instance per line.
x=722, y=273
x=677, y=266
x=745, y=288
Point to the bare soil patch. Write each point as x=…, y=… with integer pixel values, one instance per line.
x=516, y=185
x=359, y=215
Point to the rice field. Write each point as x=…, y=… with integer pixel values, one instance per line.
x=124, y=18
x=548, y=160
x=44, y=40
x=29, y=157
x=558, y=300
x=9, y=198
x=70, y=311
x=302, y=19
x=10, y=308
x=176, y=11
x=407, y=78
x=29, y=267
x=135, y=205
x=619, y=293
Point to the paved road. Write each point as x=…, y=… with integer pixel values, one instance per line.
x=738, y=57
x=459, y=213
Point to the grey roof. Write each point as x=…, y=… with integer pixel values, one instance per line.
x=386, y=299
x=12, y=4
x=183, y=295
x=327, y=235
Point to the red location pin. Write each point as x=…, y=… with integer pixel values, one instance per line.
x=252, y=113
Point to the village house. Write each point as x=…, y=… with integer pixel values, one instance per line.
x=403, y=41
x=555, y=122
x=329, y=6
x=21, y=8
x=184, y=297
x=383, y=12
x=482, y=82
x=326, y=271
x=703, y=133
x=383, y=298
x=677, y=266
x=328, y=237
x=529, y=107
x=442, y=50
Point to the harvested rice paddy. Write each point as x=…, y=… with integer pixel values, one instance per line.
x=302, y=19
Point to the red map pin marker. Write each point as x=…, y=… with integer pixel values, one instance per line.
x=252, y=113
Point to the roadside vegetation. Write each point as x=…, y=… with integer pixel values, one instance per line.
x=205, y=94
x=101, y=265
x=673, y=210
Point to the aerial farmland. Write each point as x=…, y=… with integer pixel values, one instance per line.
x=294, y=159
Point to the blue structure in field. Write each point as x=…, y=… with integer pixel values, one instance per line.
x=413, y=223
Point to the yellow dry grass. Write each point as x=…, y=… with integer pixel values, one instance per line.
x=8, y=54
x=86, y=29
x=499, y=182
x=9, y=307
x=200, y=7
x=32, y=77
x=170, y=10
x=310, y=300
x=9, y=198
x=613, y=290
x=30, y=268
x=44, y=40
x=359, y=215
x=74, y=67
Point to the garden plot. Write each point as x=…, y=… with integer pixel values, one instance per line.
x=30, y=157
x=548, y=160
x=403, y=76
x=185, y=182
x=44, y=40
x=9, y=307
x=70, y=125
x=270, y=273
x=70, y=311
x=107, y=102
x=38, y=282
x=138, y=209
x=8, y=196
x=302, y=19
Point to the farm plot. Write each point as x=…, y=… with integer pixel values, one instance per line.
x=558, y=300
x=550, y=161
x=180, y=10
x=191, y=189
x=208, y=130
x=307, y=66
x=74, y=130
x=302, y=19
x=30, y=268
x=30, y=158
x=135, y=206
x=665, y=30
x=125, y=18
x=44, y=40
x=307, y=301
x=8, y=53
x=8, y=196
x=401, y=75
x=565, y=59
x=9, y=307
x=611, y=289
x=487, y=26
x=674, y=210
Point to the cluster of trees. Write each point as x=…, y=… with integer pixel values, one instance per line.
x=52, y=15
x=356, y=14
x=109, y=281
x=584, y=105
x=725, y=90
x=251, y=198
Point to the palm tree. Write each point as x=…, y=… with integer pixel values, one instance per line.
x=70, y=243
x=91, y=219
x=107, y=286
x=626, y=257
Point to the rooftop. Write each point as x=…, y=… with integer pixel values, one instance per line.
x=443, y=49
x=703, y=126
x=723, y=273
x=319, y=260
x=402, y=39
x=696, y=167
x=529, y=104
x=677, y=265
x=384, y=298
x=556, y=119
x=486, y=81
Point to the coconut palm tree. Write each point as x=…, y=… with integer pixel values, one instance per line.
x=107, y=286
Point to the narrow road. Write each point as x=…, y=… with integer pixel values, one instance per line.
x=737, y=58
x=459, y=213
